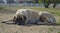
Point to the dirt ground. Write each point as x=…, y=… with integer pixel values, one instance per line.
x=12, y=28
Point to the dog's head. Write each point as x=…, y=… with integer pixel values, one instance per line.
x=19, y=18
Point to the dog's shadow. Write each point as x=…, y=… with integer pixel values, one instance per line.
x=11, y=22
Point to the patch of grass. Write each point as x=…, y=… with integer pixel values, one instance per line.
x=58, y=32
x=48, y=31
x=1, y=8
x=16, y=32
x=58, y=22
x=51, y=29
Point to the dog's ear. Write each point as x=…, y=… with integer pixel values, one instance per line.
x=14, y=18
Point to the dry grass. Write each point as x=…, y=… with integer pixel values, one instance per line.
x=8, y=13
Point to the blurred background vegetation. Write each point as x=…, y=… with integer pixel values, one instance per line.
x=46, y=3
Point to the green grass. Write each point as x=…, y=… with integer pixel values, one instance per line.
x=55, y=11
x=58, y=32
x=51, y=29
